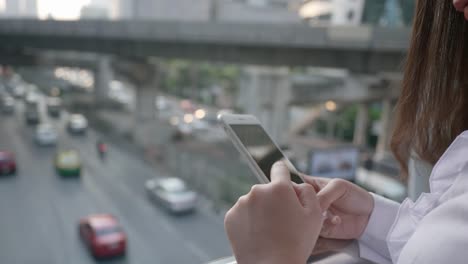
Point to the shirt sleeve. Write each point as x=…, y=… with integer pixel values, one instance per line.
x=372, y=243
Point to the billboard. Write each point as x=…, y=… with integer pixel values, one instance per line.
x=339, y=162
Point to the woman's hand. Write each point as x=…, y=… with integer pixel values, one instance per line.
x=349, y=207
x=275, y=223
x=462, y=6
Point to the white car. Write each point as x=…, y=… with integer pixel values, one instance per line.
x=8, y=104
x=32, y=98
x=18, y=91
x=77, y=124
x=162, y=103
x=45, y=135
x=172, y=193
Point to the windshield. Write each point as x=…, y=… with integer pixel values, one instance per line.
x=78, y=119
x=148, y=78
x=5, y=157
x=45, y=129
x=176, y=188
x=104, y=231
x=69, y=158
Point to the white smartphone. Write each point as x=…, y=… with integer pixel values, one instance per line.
x=260, y=151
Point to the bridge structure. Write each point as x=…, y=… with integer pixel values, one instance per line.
x=361, y=50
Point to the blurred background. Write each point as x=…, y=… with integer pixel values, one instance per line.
x=109, y=144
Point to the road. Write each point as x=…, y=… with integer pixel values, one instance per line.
x=40, y=211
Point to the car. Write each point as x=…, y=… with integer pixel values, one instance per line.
x=8, y=104
x=32, y=98
x=7, y=163
x=45, y=135
x=77, y=124
x=103, y=235
x=18, y=91
x=172, y=193
x=54, y=106
x=32, y=116
x=68, y=163
x=184, y=129
x=162, y=103
x=200, y=125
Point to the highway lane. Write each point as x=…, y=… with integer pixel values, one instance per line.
x=40, y=211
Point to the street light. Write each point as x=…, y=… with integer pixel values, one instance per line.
x=330, y=106
x=200, y=113
x=188, y=118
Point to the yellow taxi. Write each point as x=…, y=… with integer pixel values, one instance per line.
x=68, y=163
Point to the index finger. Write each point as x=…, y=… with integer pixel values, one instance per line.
x=280, y=173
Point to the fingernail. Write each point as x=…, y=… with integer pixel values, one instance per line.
x=336, y=220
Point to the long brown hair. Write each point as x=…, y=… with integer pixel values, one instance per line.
x=433, y=105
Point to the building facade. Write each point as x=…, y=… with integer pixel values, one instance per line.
x=255, y=11
x=20, y=8
x=356, y=12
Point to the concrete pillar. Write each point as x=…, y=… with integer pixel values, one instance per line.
x=361, y=124
x=331, y=125
x=103, y=75
x=146, y=92
x=385, y=127
x=214, y=6
x=266, y=93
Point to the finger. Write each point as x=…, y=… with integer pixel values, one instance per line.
x=332, y=224
x=280, y=173
x=335, y=220
x=307, y=196
x=333, y=191
x=460, y=4
x=324, y=245
x=327, y=229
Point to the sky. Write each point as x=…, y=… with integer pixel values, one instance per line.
x=61, y=9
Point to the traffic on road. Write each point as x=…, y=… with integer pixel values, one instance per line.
x=62, y=202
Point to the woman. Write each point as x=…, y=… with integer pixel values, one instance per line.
x=282, y=222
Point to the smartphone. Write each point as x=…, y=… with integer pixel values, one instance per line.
x=257, y=147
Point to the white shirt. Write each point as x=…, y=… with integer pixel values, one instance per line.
x=434, y=229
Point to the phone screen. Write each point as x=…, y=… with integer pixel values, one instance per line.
x=262, y=149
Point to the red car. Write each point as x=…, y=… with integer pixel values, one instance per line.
x=103, y=235
x=7, y=163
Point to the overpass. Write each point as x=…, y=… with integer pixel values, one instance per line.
x=360, y=49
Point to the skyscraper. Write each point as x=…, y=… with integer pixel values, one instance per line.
x=188, y=10
x=336, y=12
x=249, y=11
x=12, y=8
x=20, y=8
x=29, y=8
x=353, y=12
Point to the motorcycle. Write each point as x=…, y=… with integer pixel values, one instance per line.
x=102, y=149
